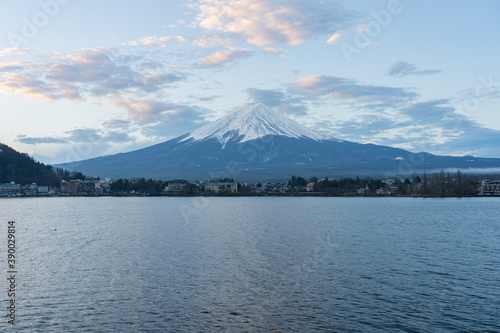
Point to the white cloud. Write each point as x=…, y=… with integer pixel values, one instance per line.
x=334, y=39
x=316, y=86
x=17, y=51
x=222, y=58
x=274, y=51
x=214, y=40
x=267, y=22
x=155, y=41
x=89, y=72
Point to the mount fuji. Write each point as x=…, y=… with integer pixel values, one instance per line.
x=259, y=143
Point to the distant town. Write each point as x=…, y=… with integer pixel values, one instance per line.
x=433, y=185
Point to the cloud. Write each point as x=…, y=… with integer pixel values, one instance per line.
x=402, y=69
x=272, y=97
x=200, y=41
x=486, y=89
x=430, y=112
x=140, y=109
x=15, y=51
x=157, y=111
x=39, y=140
x=400, y=120
x=431, y=126
x=176, y=120
x=279, y=99
x=204, y=98
x=222, y=58
x=315, y=86
x=89, y=72
x=117, y=124
x=214, y=40
x=274, y=51
x=334, y=39
x=155, y=41
x=83, y=135
x=33, y=86
x=102, y=70
x=118, y=137
x=269, y=22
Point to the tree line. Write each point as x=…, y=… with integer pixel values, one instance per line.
x=139, y=185
x=441, y=184
x=434, y=184
x=23, y=169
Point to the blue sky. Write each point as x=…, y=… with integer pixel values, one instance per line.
x=80, y=79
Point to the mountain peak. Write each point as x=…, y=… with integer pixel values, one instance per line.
x=253, y=121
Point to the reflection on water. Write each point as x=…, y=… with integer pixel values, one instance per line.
x=257, y=264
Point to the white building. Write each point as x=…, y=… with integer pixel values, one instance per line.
x=490, y=187
x=43, y=190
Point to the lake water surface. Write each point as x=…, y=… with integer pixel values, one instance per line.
x=254, y=264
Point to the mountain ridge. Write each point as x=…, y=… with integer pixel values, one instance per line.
x=248, y=146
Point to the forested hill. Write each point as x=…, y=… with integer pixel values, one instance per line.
x=22, y=169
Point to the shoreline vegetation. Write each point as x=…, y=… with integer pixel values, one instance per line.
x=436, y=185
x=300, y=194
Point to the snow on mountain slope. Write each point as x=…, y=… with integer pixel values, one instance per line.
x=253, y=121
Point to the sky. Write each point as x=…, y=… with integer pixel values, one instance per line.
x=80, y=79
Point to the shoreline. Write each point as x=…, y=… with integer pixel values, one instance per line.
x=297, y=195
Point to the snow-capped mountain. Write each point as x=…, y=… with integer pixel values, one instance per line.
x=258, y=143
x=253, y=121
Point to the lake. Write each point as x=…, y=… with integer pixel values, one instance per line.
x=247, y=264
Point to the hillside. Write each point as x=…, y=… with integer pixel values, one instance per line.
x=22, y=169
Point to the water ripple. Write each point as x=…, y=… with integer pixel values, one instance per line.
x=257, y=265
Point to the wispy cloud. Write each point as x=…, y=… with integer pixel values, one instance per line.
x=402, y=69
x=334, y=39
x=85, y=135
x=134, y=83
x=215, y=40
x=430, y=112
x=17, y=51
x=155, y=41
x=223, y=58
x=38, y=140
x=315, y=86
x=392, y=116
x=119, y=124
x=168, y=114
x=274, y=51
x=143, y=110
x=90, y=72
x=270, y=22
x=208, y=41
x=270, y=97
x=432, y=126
x=282, y=100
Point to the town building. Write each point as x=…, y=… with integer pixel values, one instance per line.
x=72, y=186
x=43, y=190
x=10, y=189
x=86, y=187
x=31, y=189
x=221, y=188
x=177, y=186
x=490, y=187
